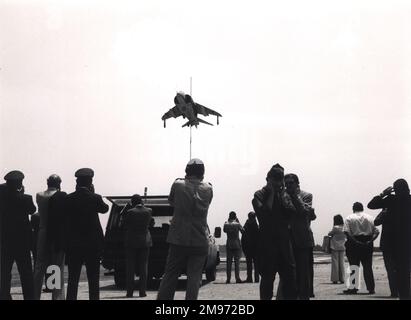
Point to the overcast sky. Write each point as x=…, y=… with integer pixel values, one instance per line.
x=321, y=87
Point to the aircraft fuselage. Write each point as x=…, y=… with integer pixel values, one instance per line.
x=186, y=106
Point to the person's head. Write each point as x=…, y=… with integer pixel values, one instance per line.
x=251, y=215
x=292, y=183
x=84, y=177
x=14, y=180
x=232, y=216
x=275, y=177
x=357, y=207
x=54, y=181
x=195, y=168
x=401, y=187
x=338, y=220
x=136, y=200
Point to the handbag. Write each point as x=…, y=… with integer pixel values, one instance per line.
x=327, y=244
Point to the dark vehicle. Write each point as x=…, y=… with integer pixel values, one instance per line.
x=113, y=257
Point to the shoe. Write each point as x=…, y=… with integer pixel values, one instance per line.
x=248, y=280
x=142, y=295
x=257, y=280
x=129, y=295
x=335, y=282
x=312, y=295
x=47, y=290
x=239, y=281
x=371, y=292
x=350, y=291
x=394, y=296
x=227, y=281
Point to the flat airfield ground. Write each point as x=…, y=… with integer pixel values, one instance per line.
x=219, y=290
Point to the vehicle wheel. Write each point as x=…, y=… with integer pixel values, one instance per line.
x=211, y=274
x=120, y=279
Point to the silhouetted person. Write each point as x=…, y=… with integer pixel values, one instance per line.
x=16, y=235
x=35, y=226
x=46, y=250
x=337, y=246
x=361, y=233
x=274, y=209
x=233, y=245
x=85, y=237
x=249, y=243
x=137, y=242
x=188, y=234
x=387, y=248
x=301, y=236
x=399, y=208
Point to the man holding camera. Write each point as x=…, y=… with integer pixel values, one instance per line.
x=188, y=235
x=397, y=200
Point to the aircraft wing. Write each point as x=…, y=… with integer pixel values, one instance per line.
x=172, y=113
x=205, y=111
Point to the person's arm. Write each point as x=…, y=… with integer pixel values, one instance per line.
x=375, y=233
x=295, y=203
x=311, y=215
x=171, y=195
x=212, y=194
x=258, y=205
x=380, y=201
x=240, y=227
x=377, y=203
x=308, y=199
x=31, y=208
x=379, y=220
x=102, y=207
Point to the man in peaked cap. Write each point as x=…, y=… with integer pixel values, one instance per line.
x=16, y=238
x=85, y=237
x=188, y=234
x=274, y=209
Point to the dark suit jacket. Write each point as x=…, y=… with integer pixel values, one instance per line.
x=83, y=225
x=136, y=223
x=249, y=240
x=15, y=209
x=387, y=232
x=300, y=221
x=57, y=220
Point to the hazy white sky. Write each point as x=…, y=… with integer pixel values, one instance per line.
x=322, y=87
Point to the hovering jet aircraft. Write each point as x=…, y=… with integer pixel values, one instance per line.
x=186, y=107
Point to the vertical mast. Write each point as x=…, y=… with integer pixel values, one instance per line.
x=191, y=94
